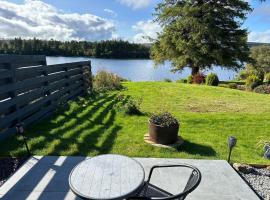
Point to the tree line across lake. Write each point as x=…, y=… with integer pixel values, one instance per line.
x=101, y=49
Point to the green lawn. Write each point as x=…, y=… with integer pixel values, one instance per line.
x=208, y=115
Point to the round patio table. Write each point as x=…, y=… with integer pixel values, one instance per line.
x=107, y=177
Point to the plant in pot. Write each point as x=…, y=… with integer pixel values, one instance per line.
x=265, y=143
x=163, y=128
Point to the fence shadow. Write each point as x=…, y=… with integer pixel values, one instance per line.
x=76, y=131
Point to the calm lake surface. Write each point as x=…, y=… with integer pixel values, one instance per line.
x=139, y=69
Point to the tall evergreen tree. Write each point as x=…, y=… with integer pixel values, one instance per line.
x=201, y=33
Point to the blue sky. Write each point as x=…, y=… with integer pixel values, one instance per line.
x=100, y=19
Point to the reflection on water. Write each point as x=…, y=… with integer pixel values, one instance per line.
x=140, y=69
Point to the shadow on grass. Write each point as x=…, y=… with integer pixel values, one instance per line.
x=196, y=149
x=81, y=131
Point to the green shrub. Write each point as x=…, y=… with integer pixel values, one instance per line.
x=128, y=105
x=167, y=80
x=263, y=142
x=212, y=79
x=223, y=85
x=241, y=87
x=252, y=82
x=121, y=97
x=104, y=81
x=190, y=79
x=132, y=107
x=243, y=75
x=260, y=75
x=163, y=119
x=267, y=78
x=198, y=78
x=232, y=85
x=262, y=89
x=229, y=85
x=181, y=81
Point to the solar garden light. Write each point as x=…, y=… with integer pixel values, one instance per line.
x=231, y=143
x=20, y=131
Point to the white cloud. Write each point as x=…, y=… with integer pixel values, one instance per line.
x=111, y=12
x=144, y=30
x=263, y=36
x=35, y=18
x=136, y=4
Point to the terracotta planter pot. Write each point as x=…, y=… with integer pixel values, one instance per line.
x=163, y=134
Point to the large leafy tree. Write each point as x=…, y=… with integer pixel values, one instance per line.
x=201, y=33
x=261, y=59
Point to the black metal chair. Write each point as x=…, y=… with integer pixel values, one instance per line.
x=150, y=191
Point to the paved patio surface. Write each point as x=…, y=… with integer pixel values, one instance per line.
x=46, y=178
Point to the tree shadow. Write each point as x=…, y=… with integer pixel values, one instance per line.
x=196, y=149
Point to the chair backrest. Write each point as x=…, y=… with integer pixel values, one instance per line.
x=192, y=183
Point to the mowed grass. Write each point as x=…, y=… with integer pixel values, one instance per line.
x=208, y=115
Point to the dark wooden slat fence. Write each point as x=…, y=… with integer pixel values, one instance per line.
x=30, y=90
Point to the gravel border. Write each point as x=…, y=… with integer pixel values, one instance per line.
x=259, y=180
x=9, y=166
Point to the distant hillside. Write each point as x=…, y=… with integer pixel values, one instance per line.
x=100, y=49
x=254, y=44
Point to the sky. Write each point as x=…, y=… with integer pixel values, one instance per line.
x=95, y=20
